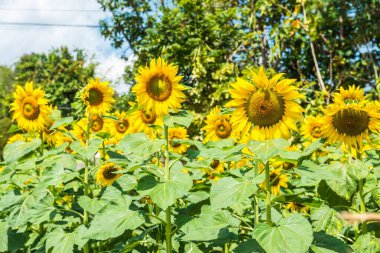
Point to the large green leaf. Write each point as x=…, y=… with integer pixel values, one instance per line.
x=264, y=150
x=112, y=221
x=62, y=122
x=183, y=118
x=139, y=145
x=229, y=192
x=293, y=234
x=367, y=244
x=346, y=188
x=211, y=225
x=165, y=193
x=59, y=241
x=3, y=236
x=326, y=219
x=249, y=246
x=325, y=243
x=89, y=204
x=18, y=149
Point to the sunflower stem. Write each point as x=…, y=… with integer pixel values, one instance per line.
x=268, y=197
x=41, y=226
x=255, y=199
x=85, y=179
x=362, y=205
x=168, y=225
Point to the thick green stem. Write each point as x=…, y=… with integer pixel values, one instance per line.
x=268, y=197
x=168, y=226
x=85, y=179
x=255, y=199
x=362, y=206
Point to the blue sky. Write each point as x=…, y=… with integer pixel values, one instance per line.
x=18, y=40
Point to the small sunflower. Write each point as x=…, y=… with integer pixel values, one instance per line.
x=178, y=133
x=98, y=96
x=119, y=128
x=218, y=126
x=106, y=176
x=351, y=123
x=79, y=130
x=266, y=107
x=297, y=207
x=30, y=108
x=142, y=120
x=277, y=180
x=97, y=124
x=352, y=94
x=312, y=128
x=158, y=88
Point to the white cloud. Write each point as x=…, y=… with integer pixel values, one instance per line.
x=18, y=40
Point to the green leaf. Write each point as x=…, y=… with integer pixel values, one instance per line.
x=293, y=234
x=18, y=149
x=312, y=147
x=367, y=244
x=113, y=221
x=139, y=145
x=165, y=193
x=325, y=243
x=182, y=118
x=3, y=236
x=62, y=122
x=230, y=192
x=358, y=169
x=91, y=205
x=249, y=246
x=346, y=188
x=211, y=225
x=59, y=241
x=326, y=219
x=264, y=150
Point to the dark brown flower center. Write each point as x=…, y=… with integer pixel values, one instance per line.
x=274, y=179
x=351, y=122
x=222, y=128
x=159, y=88
x=97, y=124
x=95, y=96
x=316, y=131
x=108, y=173
x=215, y=164
x=122, y=126
x=30, y=108
x=148, y=118
x=265, y=107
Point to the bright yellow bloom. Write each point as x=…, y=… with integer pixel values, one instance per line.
x=312, y=128
x=351, y=123
x=277, y=180
x=15, y=138
x=297, y=207
x=266, y=107
x=158, y=88
x=178, y=133
x=98, y=96
x=30, y=108
x=119, y=128
x=142, y=121
x=106, y=176
x=219, y=126
x=352, y=94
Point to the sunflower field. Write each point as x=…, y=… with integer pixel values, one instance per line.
x=275, y=169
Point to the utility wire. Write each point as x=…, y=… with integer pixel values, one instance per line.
x=46, y=24
x=51, y=10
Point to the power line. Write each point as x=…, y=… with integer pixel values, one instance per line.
x=51, y=10
x=47, y=24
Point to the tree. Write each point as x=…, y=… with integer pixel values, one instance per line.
x=60, y=73
x=329, y=43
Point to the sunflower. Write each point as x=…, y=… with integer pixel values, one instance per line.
x=218, y=126
x=142, y=120
x=266, y=107
x=97, y=124
x=119, y=128
x=312, y=128
x=97, y=96
x=106, y=176
x=30, y=108
x=297, y=207
x=277, y=180
x=351, y=123
x=79, y=130
x=178, y=133
x=352, y=94
x=15, y=138
x=158, y=89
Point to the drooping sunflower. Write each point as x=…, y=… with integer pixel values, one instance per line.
x=277, y=180
x=219, y=126
x=98, y=96
x=351, y=123
x=352, y=94
x=119, y=128
x=142, y=120
x=106, y=176
x=266, y=106
x=297, y=207
x=178, y=133
x=30, y=108
x=158, y=88
x=312, y=128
